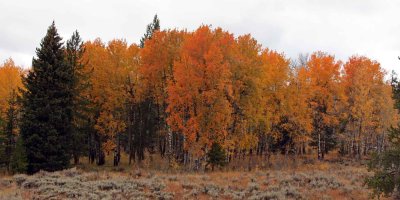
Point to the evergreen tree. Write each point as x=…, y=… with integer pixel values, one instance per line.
x=11, y=127
x=151, y=28
x=216, y=156
x=80, y=112
x=47, y=107
x=8, y=132
x=3, y=156
x=18, y=160
x=395, y=89
x=386, y=167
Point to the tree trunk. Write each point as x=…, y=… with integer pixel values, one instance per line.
x=319, y=146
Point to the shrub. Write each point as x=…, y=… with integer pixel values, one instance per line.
x=212, y=190
x=20, y=178
x=189, y=185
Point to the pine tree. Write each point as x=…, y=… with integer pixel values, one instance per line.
x=386, y=168
x=18, y=160
x=3, y=156
x=395, y=89
x=11, y=127
x=386, y=165
x=151, y=28
x=47, y=107
x=216, y=156
x=81, y=83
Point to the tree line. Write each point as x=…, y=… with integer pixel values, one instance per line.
x=189, y=96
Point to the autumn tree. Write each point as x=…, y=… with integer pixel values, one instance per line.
x=245, y=79
x=10, y=83
x=93, y=56
x=324, y=78
x=10, y=86
x=299, y=113
x=113, y=66
x=156, y=71
x=369, y=104
x=197, y=104
x=274, y=90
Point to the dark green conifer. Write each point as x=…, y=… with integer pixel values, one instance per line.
x=81, y=124
x=150, y=29
x=216, y=156
x=47, y=107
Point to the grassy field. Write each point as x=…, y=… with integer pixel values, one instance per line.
x=310, y=180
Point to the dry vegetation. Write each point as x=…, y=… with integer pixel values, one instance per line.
x=311, y=180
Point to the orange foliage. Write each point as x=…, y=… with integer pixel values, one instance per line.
x=10, y=82
x=197, y=104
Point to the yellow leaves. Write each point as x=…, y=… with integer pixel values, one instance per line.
x=108, y=125
x=324, y=76
x=115, y=69
x=369, y=98
x=247, y=141
x=10, y=81
x=196, y=97
x=108, y=146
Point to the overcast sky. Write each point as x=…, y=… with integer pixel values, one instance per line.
x=342, y=27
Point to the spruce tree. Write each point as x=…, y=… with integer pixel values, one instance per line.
x=386, y=165
x=47, y=107
x=11, y=126
x=18, y=160
x=81, y=83
x=386, y=168
x=3, y=156
x=216, y=156
x=8, y=131
x=151, y=28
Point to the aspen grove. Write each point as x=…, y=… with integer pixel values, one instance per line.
x=181, y=93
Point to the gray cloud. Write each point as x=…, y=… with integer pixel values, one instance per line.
x=341, y=27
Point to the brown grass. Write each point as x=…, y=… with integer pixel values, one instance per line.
x=331, y=179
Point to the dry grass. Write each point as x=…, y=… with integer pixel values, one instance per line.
x=319, y=180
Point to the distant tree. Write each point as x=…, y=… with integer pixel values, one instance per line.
x=47, y=105
x=216, y=156
x=151, y=28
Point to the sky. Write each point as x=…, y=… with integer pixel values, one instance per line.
x=343, y=28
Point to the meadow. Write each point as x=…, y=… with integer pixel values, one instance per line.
x=284, y=178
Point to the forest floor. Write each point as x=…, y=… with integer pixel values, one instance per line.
x=310, y=180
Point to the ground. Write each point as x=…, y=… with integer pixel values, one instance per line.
x=310, y=180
